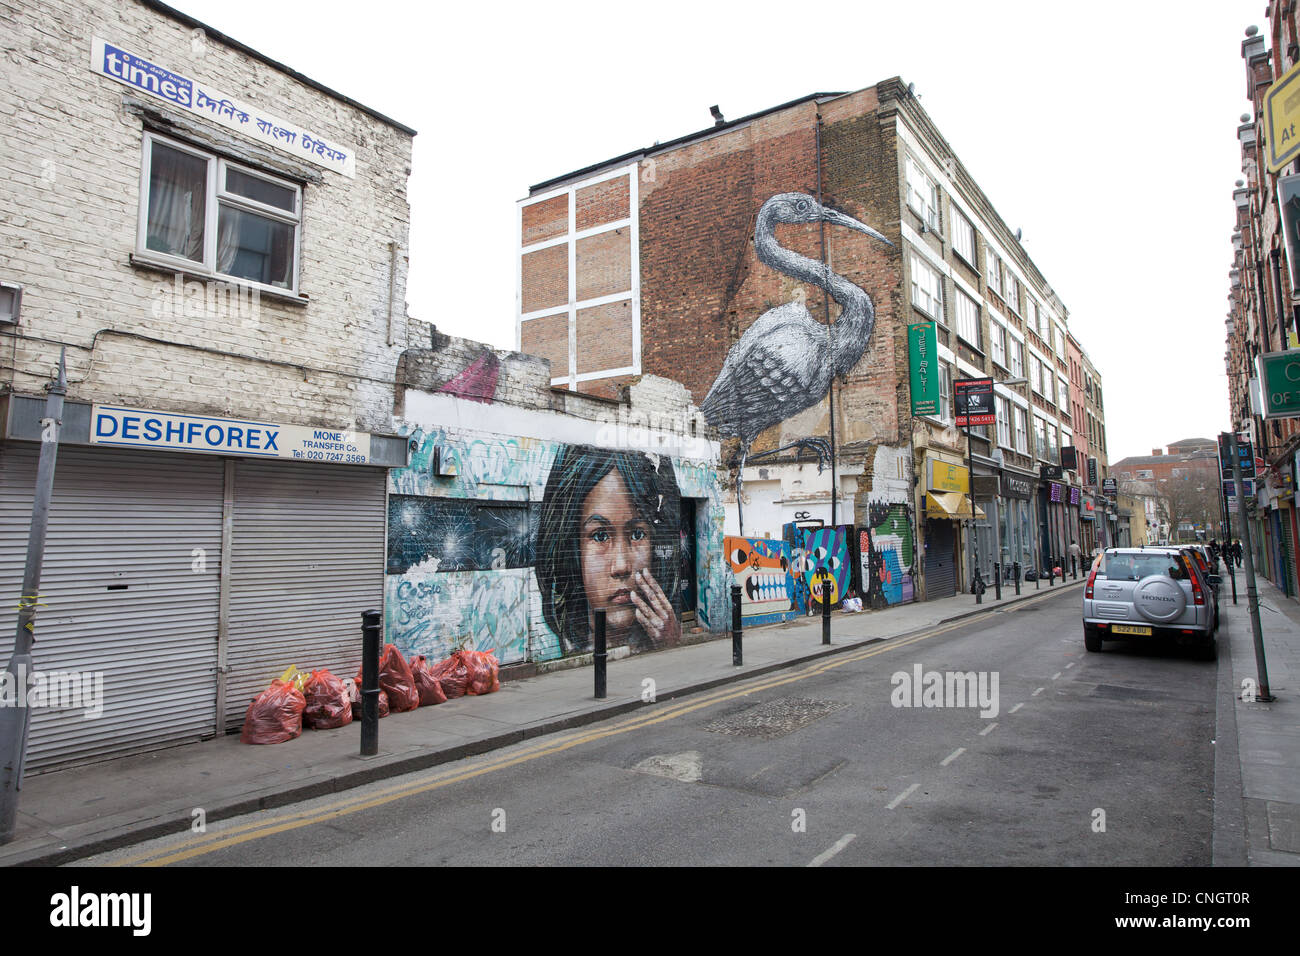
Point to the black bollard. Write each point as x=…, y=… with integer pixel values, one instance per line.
x=370, y=635
x=1051, y=573
x=826, y=607
x=1015, y=571
x=737, y=651
x=997, y=580
x=600, y=656
x=977, y=585
x=1038, y=576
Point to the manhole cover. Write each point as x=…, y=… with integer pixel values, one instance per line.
x=775, y=718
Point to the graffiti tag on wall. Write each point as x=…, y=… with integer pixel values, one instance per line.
x=886, y=554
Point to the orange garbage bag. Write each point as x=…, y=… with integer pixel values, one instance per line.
x=483, y=669
x=354, y=697
x=396, y=681
x=328, y=705
x=452, y=675
x=275, y=715
x=428, y=686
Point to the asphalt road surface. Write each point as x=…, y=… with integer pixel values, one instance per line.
x=1090, y=759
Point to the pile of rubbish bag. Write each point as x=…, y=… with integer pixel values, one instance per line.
x=322, y=701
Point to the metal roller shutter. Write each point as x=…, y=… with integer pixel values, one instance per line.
x=307, y=557
x=120, y=594
x=940, y=569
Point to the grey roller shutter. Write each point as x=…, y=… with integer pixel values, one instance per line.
x=121, y=594
x=940, y=569
x=307, y=557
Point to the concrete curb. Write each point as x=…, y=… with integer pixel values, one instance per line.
x=1228, y=829
x=139, y=833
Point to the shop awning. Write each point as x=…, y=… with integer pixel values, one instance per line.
x=950, y=504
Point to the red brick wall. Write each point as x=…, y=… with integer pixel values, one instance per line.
x=601, y=203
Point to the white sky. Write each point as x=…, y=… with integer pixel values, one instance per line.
x=1106, y=131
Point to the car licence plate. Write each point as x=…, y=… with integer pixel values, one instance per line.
x=1129, y=629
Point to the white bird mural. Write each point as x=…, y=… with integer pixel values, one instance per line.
x=786, y=360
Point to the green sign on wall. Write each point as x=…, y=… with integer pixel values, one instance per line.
x=923, y=364
x=1280, y=376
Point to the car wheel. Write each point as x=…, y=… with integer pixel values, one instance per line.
x=1091, y=639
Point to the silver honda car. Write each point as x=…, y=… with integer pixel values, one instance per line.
x=1145, y=592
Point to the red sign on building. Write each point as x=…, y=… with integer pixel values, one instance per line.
x=974, y=401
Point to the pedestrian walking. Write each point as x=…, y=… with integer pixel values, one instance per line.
x=1236, y=551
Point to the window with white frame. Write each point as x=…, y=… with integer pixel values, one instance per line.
x=998, y=343
x=1031, y=312
x=927, y=288
x=1022, y=437
x=993, y=270
x=1063, y=394
x=1017, y=358
x=1053, y=449
x=1009, y=291
x=1048, y=391
x=1060, y=342
x=1002, y=408
x=1044, y=326
x=1035, y=376
x=945, y=393
x=963, y=238
x=1040, y=438
x=200, y=212
x=968, y=319
x=922, y=194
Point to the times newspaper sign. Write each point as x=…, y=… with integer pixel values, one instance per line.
x=974, y=401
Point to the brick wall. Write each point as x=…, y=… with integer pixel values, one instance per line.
x=71, y=205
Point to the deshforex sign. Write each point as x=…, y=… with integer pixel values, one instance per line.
x=170, y=431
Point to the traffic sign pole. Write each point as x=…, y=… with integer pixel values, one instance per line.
x=1252, y=594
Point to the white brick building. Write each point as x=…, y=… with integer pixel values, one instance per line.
x=220, y=245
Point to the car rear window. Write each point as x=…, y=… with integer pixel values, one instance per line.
x=1135, y=567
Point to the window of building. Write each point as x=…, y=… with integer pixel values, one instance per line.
x=968, y=319
x=1063, y=394
x=993, y=271
x=1010, y=289
x=945, y=394
x=1002, y=408
x=1060, y=342
x=927, y=289
x=963, y=238
x=1145, y=474
x=998, y=343
x=1035, y=376
x=922, y=194
x=1022, y=438
x=1053, y=447
x=1040, y=438
x=1044, y=330
x=205, y=213
x=1048, y=389
x=1017, y=358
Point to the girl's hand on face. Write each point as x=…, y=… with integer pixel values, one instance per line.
x=654, y=611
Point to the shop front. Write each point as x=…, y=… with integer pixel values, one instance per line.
x=1088, y=525
x=946, y=509
x=1016, y=525
x=188, y=561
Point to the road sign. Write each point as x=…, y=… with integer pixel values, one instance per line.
x=1245, y=454
x=974, y=401
x=1282, y=120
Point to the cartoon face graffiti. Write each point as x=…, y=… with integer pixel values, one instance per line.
x=607, y=538
x=826, y=550
x=762, y=570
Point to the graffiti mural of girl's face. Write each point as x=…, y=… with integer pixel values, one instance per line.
x=608, y=537
x=615, y=551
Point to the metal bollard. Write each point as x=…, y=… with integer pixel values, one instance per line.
x=737, y=650
x=600, y=656
x=977, y=585
x=997, y=580
x=370, y=637
x=826, y=607
x=1038, y=577
x=1051, y=573
x=1015, y=570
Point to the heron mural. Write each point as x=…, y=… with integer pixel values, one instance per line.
x=786, y=360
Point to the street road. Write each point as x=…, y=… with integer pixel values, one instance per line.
x=812, y=765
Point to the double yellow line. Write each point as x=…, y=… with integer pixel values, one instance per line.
x=246, y=832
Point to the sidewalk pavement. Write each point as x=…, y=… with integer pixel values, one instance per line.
x=70, y=814
x=1257, y=746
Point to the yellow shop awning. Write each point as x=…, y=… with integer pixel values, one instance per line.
x=950, y=504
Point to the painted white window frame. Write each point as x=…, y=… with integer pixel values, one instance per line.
x=963, y=239
x=1016, y=358
x=1021, y=418
x=998, y=343
x=1063, y=394
x=945, y=395
x=923, y=275
x=922, y=194
x=966, y=319
x=215, y=197
x=1009, y=295
x=1002, y=409
x=992, y=270
x=574, y=305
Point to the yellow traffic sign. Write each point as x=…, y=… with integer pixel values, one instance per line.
x=1282, y=120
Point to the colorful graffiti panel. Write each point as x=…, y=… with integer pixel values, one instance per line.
x=827, y=549
x=886, y=555
x=436, y=613
x=761, y=566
